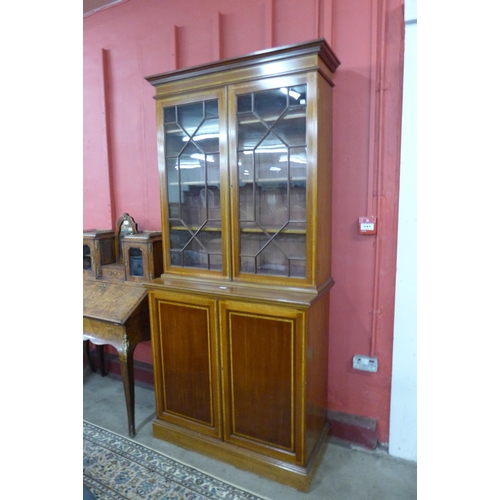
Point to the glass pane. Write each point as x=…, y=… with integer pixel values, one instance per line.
x=192, y=159
x=213, y=169
x=250, y=245
x=247, y=203
x=200, y=249
x=244, y=103
x=272, y=163
x=298, y=95
x=280, y=255
x=291, y=128
x=169, y=114
x=272, y=261
x=190, y=116
x=192, y=165
x=212, y=108
x=273, y=207
x=245, y=167
x=207, y=136
x=178, y=239
x=268, y=157
x=298, y=203
x=212, y=242
x=173, y=188
x=250, y=131
x=136, y=264
x=87, y=261
x=191, y=212
x=269, y=104
x=175, y=139
x=210, y=203
x=298, y=164
x=194, y=254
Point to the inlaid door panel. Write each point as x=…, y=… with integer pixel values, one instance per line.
x=188, y=370
x=262, y=356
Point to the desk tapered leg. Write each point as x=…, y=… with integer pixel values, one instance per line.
x=86, y=343
x=100, y=352
x=127, y=370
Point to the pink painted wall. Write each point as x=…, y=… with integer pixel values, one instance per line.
x=138, y=38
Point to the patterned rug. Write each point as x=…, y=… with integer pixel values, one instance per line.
x=115, y=467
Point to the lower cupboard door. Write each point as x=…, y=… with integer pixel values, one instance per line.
x=263, y=378
x=188, y=378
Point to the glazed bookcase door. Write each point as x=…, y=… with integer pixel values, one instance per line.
x=193, y=175
x=271, y=163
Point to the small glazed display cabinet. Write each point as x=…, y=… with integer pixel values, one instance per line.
x=239, y=317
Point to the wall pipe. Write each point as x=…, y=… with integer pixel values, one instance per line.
x=374, y=193
x=107, y=124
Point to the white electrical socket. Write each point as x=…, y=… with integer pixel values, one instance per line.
x=365, y=363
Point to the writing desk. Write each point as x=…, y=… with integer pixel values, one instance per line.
x=117, y=314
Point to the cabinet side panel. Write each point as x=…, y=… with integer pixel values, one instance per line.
x=185, y=353
x=261, y=359
x=324, y=179
x=317, y=372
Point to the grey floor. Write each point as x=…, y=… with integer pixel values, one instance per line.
x=345, y=473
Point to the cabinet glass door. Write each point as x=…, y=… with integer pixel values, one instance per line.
x=87, y=258
x=135, y=259
x=272, y=163
x=192, y=164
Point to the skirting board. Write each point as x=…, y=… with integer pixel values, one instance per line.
x=352, y=428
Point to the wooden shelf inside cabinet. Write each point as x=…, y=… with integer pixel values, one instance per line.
x=194, y=228
x=240, y=315
x=273, y=230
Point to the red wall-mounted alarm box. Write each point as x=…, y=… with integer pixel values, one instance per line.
x=367, y=225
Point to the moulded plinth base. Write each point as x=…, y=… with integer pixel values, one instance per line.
x=286, y=473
